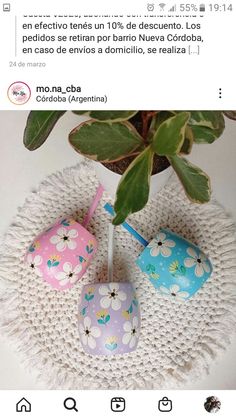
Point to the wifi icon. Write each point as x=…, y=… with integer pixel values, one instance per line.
x=162, y=6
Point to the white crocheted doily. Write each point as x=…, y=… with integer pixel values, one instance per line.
x=178, y=340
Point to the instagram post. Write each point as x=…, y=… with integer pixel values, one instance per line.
x=117, y=227
x=156, y=285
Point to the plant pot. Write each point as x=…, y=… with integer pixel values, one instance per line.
x=110, y=180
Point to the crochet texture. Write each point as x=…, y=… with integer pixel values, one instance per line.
x=178, y=341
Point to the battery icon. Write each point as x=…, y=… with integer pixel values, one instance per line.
x=202, y=8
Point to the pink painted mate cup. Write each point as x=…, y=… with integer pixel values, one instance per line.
x=61, y=254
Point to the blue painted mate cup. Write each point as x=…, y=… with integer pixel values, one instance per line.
x=176, y=267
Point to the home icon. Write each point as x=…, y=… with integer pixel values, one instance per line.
x=23, y=406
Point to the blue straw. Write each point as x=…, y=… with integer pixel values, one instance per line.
x=127, y=227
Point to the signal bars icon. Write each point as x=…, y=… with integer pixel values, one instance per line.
x=173, y=8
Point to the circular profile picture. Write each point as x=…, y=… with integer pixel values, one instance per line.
x=19, y=93
x=212, y=404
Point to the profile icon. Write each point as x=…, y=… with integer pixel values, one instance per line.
x=212, y=404
x=19, y=93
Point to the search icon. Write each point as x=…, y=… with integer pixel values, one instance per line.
x=70, y=404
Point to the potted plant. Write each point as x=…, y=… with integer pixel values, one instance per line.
x=135, y=149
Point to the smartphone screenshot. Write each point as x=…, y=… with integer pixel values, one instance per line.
x=118, y=209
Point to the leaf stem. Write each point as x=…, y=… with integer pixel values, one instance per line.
x=146, y=116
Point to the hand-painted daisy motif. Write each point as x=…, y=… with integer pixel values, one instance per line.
x=111, y=343
x=68, y=222
x=64, y=239
x=34, y=246
x=83, y=311
x=131, y=333
x=90, y=247
x=199, y=260
x=151, y=270
x=70, y=274
x=89, y=333
x=176, y=269
x=174, y=291
x=135, y=300
x=81, y=259
x=89, y=294
x=161, y=246
x=111, y=296
x=34, y=263
x=53, y=261
x=103, y=317
x=126, y=314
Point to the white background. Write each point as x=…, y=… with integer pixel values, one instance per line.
x=21, y=171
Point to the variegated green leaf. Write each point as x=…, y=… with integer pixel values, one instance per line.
x=188, y=141
x=105, y=141
x=156, y=121
x=38, y=127
x=204, y=135
x=207, y=126
x=133, y=189
x=170, y=135
x=108, y=115
x=209, y=119
x=195, y=182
